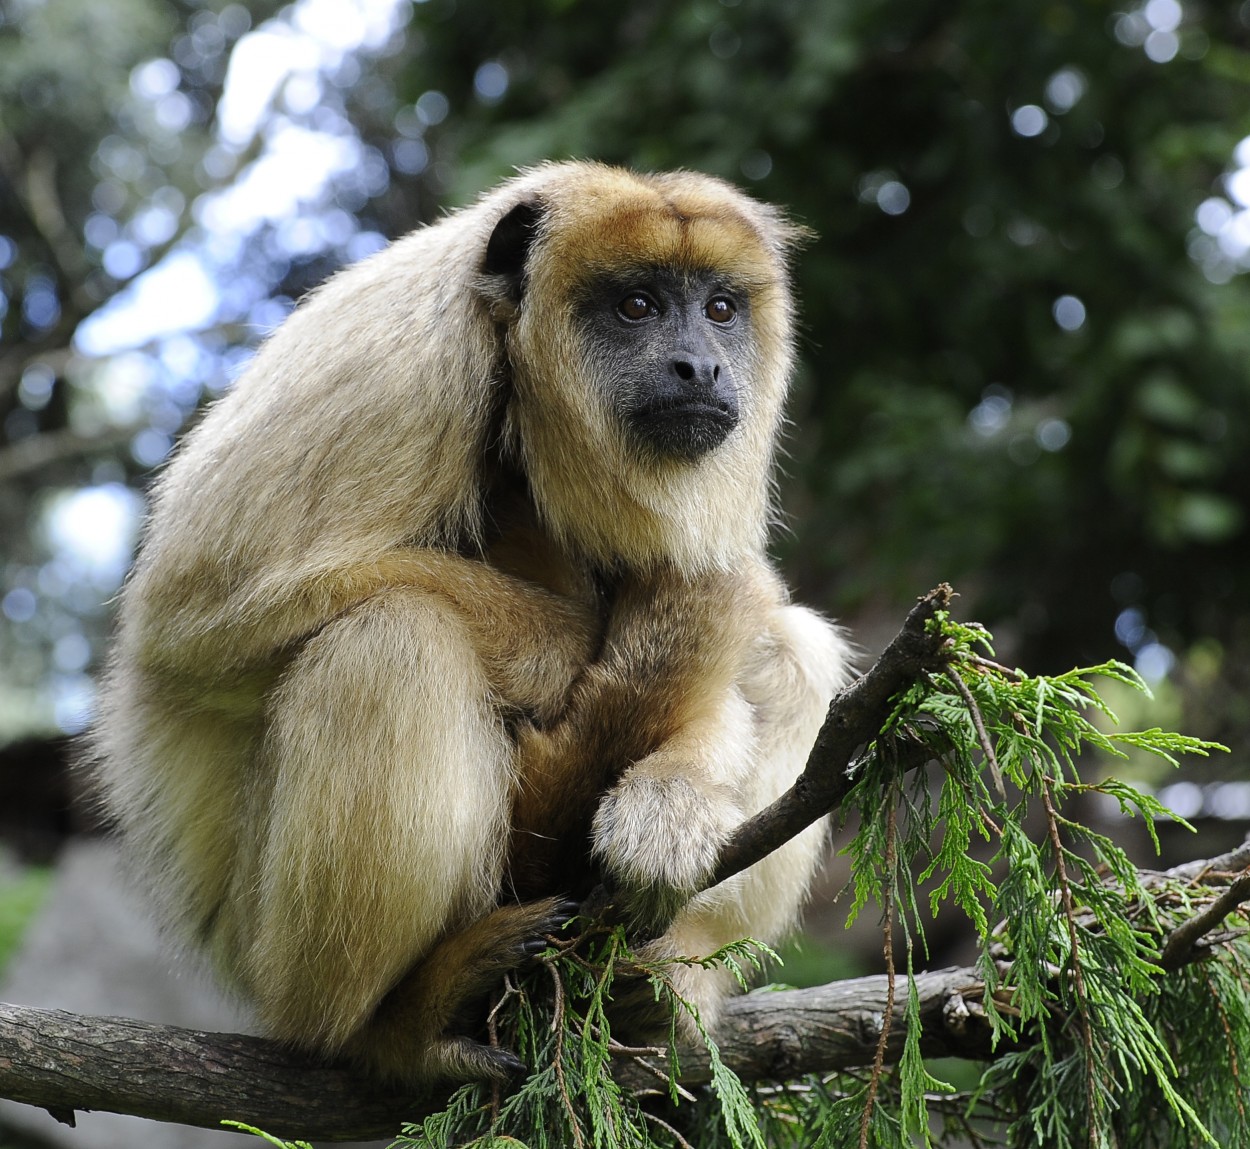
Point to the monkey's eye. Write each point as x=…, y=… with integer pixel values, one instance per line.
x=637, y=306
x=720, y=310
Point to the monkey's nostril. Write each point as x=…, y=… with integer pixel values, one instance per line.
x=699, y=371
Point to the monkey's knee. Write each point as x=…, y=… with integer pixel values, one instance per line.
x=389, y=778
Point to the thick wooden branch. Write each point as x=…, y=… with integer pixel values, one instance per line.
x=779, y=1035
x=1190, y=940
x=65, y=1062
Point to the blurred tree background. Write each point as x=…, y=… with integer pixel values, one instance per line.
x=1026, y=343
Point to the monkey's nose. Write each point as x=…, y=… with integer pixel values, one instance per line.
x=700, y=372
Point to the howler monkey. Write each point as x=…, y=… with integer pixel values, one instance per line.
x=459, y=599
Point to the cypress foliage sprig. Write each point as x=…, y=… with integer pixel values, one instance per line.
x=1076, y=950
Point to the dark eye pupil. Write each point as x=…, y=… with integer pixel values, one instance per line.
x=635, y=307
x=720, y=310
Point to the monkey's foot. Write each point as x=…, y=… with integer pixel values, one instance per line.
x=416, y=1034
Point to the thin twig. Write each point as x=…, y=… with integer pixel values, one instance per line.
x=990, y=664
x=616, y=1049
x=557, y=1027
x=887, y=945
x=666, y=1126
x=855, y=717
x=663, y=1076
x=1231, y=863
x=1078, y=976
x=978, y=723
x=510, y=990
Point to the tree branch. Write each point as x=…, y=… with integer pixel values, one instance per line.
x=1185, y=943
x=63, y=1061
x=1182, y=941
x=779, y=1035
x=854, y=717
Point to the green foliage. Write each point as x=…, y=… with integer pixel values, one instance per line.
x=1073, y=986
x=268, y=1138
x=570, y=1097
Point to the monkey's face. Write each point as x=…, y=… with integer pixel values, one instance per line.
x=665, y=343
x=646, y=326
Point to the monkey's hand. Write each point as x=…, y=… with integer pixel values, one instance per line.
x=657, y=834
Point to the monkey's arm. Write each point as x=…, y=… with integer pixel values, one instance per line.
x=531, y=639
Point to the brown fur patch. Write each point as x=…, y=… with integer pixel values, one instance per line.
x=645, y=225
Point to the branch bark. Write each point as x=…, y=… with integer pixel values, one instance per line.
x=63, y=1061
x=779, y=1035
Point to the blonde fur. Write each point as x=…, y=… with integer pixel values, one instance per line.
x=361, y=684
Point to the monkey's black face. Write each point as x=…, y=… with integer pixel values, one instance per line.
x=671, y=343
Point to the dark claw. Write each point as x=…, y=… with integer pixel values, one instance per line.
x=533, y=947
x=508, y=1063
x=464, y=1059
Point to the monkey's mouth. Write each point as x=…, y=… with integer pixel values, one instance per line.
x=685, y=427
x=677, y=408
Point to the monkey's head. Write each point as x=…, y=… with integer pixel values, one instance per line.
x=647, y=330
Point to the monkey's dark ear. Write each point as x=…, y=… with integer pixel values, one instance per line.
x=509, y=247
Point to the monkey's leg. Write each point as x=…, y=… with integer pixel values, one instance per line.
x=388, y=777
